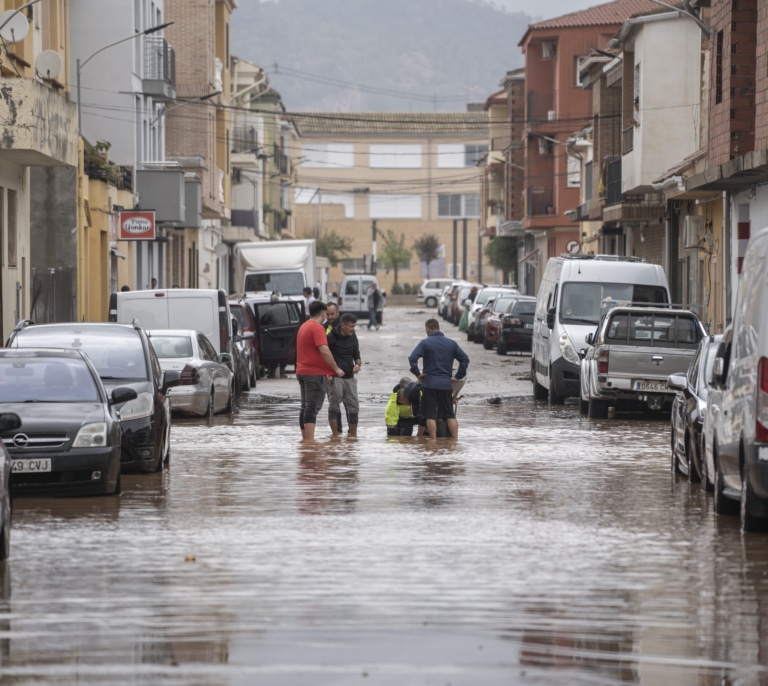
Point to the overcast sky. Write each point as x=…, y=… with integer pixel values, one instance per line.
x=546, y=9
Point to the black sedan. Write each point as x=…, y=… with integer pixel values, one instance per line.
x=68, y=438
x=517, y=325
x=689, y=409
x=123, y=356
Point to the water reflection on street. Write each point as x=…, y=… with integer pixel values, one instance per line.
x=541, y=548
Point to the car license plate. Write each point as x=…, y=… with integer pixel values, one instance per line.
x=30, y=466
x=658, y=386
x=529, y=326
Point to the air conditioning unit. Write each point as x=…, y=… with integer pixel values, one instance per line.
x=693, y=231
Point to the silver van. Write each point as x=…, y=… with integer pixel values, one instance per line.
x=352, y=296
x=575, y=291
x=736, y=425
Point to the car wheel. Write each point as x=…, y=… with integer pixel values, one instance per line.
x=597, y=409
x=751, y=508
x=430, y=302
x=118, y=485
x=230, y=408
x=706, y=484
x=723, y=505
x=554, y=397
x=253, y=375
x=583, y=406
x=694, y=475
x=539, y=392
x=211, y=408
x=501, y=349
x=5, y=536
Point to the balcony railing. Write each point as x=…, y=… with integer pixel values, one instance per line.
x=613, y=183
x=541, y=107
x=540, y=201
x=243, y=139
x=159, y=68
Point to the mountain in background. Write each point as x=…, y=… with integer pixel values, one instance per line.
x=369, y=55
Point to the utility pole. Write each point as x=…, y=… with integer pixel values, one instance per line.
x=455, y=249
x=464, y=250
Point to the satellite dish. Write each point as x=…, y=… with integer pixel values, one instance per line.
x=49, y=64
x=221, y=250
x=16, y=29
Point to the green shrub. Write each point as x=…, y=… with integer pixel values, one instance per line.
x=397, y=289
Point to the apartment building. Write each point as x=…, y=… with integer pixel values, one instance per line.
x=556, y=106
x=409, y=173
x=39, y=132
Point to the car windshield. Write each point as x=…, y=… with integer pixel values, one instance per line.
x=287, y=283
x=502, y=304
x=586, y=303
x=172, y=347
x=116, y=353
x=46, y=380
x=524, y=307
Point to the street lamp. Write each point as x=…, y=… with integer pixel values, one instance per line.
x=80, y=65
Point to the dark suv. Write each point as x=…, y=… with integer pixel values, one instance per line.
x=123, y=357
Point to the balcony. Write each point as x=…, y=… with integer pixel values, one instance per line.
x=159, y=69
x=540, y=201
x=540, y=107
x=243, y=139
x=38, y=126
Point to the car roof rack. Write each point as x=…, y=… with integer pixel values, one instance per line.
x=604, y=258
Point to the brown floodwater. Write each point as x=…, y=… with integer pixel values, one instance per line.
x=542, y=548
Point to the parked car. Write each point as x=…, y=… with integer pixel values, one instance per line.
x=68, y=440
x=430, y=290
x=207, y=382
x=8, y=422
x=492, y=310
x=443, y=300
x=278, y=324
x=689, y=409
x=517, y=325
x=459, y=303
x=123, y=356
x=450, y=299
x=353, y=296
x=484, y=295
x=243, y=312
x=739, y=399
x=631, y=356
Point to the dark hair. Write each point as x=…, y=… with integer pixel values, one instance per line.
x=125, y=288
x=432, y=325
x=316, y=292
x=307, y=290
x=348, y=317
x=331, y=303
x=316, y=307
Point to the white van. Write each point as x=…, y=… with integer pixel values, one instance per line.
x=736, y=424
x=200, y=309
x=574, y=294
x=352, y=296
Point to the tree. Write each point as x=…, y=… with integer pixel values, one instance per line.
x=333, y=246
x=427, y=248
x=394, y=254
x=501, y=252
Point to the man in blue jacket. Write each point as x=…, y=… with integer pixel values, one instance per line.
x=436, y=376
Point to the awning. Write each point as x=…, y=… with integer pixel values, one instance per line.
x=529, y=257
x=117, y=253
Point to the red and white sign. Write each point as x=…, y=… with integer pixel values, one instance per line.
x=137, y=225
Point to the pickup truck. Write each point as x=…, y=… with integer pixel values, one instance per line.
x=631, y=355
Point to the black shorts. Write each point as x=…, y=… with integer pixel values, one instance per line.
x=437, y=404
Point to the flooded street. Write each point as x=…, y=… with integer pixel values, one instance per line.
x=542, y=548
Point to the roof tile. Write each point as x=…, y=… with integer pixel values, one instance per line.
x=609, y=13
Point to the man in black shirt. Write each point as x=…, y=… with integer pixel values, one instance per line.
x=345, y=348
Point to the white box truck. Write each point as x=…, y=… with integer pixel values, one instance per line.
x=267, y=266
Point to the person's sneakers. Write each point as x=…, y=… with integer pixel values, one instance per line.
x=377, y=327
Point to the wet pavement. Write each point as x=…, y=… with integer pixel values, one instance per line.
x=542, y=548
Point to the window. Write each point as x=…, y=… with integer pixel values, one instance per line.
x=12, y=236
x=636, y=97
x=579, y=60
x=574, y=172
x=314, y=196
x=456, y=205
x=395, y=156
x=328, y=155
x=395, y=206
x=459, y=155
x=719, y=68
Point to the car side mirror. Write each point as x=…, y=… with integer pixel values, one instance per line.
x=718, y=372
x=248, y=335
x=677, y=382
x=589, y=338
x=551, y=318
x=9, y=421
x=582, y=353
x=122, y=394
x=226, y=358
x=171, y=378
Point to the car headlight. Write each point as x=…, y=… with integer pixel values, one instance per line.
x=567, y=350
x=91, y=436
x=141, y=406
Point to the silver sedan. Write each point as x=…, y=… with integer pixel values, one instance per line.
x=206, y=380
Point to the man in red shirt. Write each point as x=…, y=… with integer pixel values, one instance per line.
x=314, y=363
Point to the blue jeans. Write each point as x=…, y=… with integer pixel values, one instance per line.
x=372, y=321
